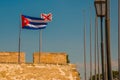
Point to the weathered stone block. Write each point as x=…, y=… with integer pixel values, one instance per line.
x=11, y=57
x=50, y=57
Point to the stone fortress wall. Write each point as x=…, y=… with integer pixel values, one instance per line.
x=43, y=57
x=38, y=72
x=53, y=66
x=50, y=57
x=11, y=57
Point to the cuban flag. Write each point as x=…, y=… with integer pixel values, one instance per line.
x=32, y=22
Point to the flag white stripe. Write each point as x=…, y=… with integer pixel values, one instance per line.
x=36, y=26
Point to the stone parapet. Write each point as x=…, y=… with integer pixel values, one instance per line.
x=11, y=57
x=53, y=66
x=50, y=57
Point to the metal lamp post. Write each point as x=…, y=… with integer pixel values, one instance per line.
x=103, y=7
x=100, y=12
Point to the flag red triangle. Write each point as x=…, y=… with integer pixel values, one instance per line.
x=25, y=21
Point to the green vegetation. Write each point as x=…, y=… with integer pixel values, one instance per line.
x=115, y=75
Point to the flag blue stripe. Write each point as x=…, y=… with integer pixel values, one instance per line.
x=33, y=18
x=27, y=27
x=35, y=23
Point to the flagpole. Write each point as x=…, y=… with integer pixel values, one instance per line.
x=90, y=46
x=98, y=49
x=40, y=43
x=19, y=42
x=84, y=45
x=95, y=48
x=119, y=38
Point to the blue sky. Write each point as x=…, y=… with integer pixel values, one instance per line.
x=63, y=34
